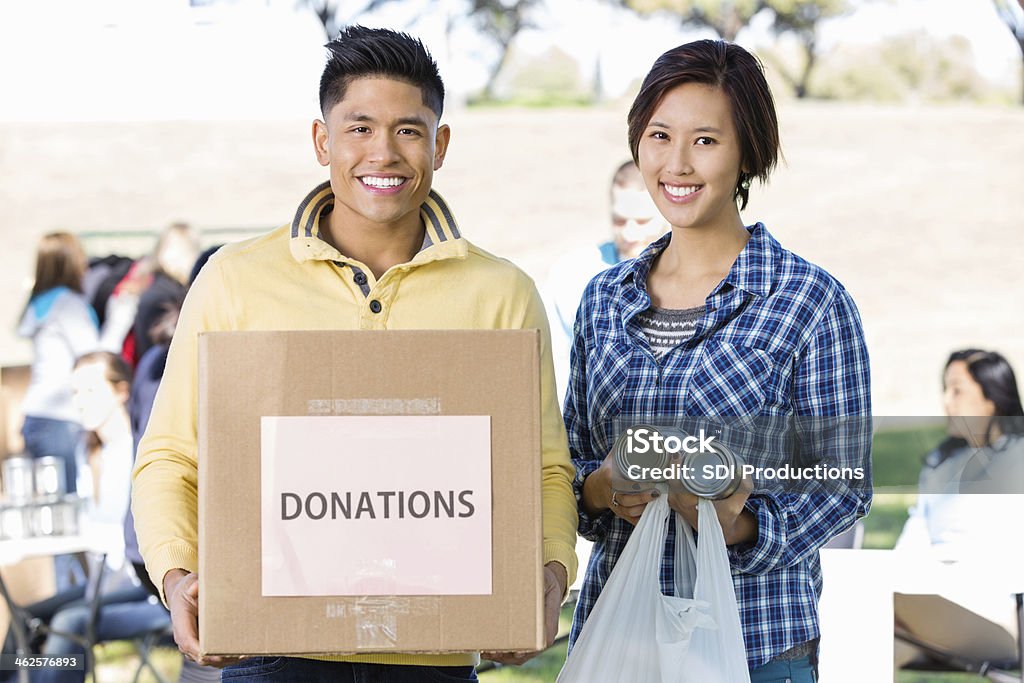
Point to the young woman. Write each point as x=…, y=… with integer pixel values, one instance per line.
x=716, y=319
x=62, y=327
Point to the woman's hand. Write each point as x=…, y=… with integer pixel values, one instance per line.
x=738, y=525
x=599, y=494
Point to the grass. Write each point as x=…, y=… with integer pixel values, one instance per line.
x=897, y=455
x=541, y=669
x=117, y=661
x=936, y=677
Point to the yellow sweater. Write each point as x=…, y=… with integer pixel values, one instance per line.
x=290, y=279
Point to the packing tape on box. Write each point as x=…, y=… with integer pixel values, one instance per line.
x=374, y=406
x=375, y=618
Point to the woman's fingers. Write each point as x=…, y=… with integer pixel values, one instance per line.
x=630, y=506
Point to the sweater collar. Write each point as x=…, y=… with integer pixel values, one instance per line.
x=441, y=235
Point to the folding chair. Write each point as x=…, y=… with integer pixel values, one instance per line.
x=992, y=648
x=151, y=630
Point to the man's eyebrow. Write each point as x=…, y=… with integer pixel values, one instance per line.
x=412, y=121
x=356, y=116
x=404, y=121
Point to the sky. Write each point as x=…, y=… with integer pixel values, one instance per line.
x=110, y=60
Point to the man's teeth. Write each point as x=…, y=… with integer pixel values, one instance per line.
x=681, y=191
x=374, y=181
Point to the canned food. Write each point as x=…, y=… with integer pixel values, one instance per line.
x=14, y=522
x=714, y=472
x=637, y=459
x=18, y=479
x=58, y=518
x=645, y=456
x=49, y=477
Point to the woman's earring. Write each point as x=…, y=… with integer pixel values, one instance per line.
x=745, y=181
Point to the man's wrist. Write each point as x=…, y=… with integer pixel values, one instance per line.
x=171, y=579
x=561, y=575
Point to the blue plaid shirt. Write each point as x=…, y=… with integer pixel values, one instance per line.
x=779, y=337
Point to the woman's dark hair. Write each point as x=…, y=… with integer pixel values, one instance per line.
x=360, y=52
x=740, y=76
x=998, y=384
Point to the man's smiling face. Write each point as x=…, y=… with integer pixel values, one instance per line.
x=382, y=144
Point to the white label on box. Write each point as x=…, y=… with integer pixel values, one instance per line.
x=381, y=505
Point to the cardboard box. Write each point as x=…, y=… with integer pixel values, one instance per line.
x=406, y=376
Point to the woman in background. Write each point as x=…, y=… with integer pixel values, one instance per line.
x=984, y=416
x=955, y=566
x=62, y=327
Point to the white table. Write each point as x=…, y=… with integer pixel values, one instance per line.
x=856, y=607
x=96, y=539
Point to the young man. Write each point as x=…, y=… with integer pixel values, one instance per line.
x=373, y=248
x=635, y=223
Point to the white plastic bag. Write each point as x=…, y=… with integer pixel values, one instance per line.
x=636, y=634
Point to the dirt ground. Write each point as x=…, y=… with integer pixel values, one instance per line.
x=916, y=210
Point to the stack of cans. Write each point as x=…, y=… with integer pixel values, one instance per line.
x=36, y=502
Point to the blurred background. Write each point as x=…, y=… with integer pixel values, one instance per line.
x=901, y=129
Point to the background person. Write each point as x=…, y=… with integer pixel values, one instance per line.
x=983, y=409
x=62, y=327
x=635, y=223
x=145, y=383
x=953, y=545
x=174, y=257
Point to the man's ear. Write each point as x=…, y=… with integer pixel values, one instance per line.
x=320, y=142
x=441, y=140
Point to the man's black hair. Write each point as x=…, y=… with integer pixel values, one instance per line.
x=360, y=52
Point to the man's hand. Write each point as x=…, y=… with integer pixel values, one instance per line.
x=182, y=591
x=555, y=580
x=738, y=525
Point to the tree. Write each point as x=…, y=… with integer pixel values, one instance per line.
x=911, y=67
x=725, y=17
x=1013, y=17
x=327, y=12
x=801, y=18
x=501, y=21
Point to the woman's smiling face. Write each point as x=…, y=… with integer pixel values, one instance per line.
x=689, y=156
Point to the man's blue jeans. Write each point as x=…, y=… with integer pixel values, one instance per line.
x=288, y=669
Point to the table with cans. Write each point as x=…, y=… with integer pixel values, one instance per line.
x=35, y=502
x=39, y=518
